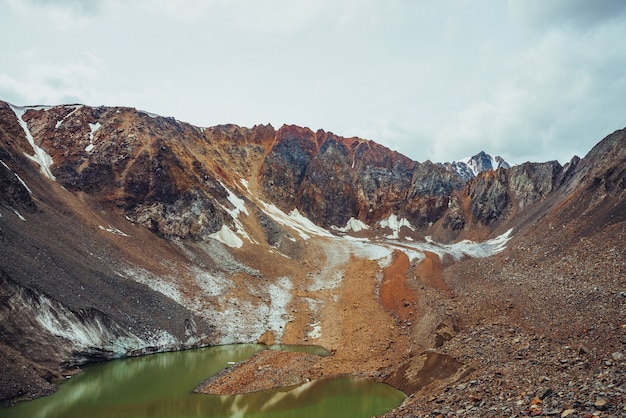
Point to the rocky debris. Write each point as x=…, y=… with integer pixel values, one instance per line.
x=543, y=326
x=22, y=379
x=427, y=373
x=520, y=374
x=267, y=369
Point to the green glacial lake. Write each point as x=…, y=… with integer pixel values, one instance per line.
x=161, y=385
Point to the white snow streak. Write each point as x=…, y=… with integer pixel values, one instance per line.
x=18, y=177
x=113, y=231
x=239, y=204
x=19, y=215
x=93, y=128
x=40, y=157
x=76, y=107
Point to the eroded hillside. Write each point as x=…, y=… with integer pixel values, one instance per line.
x=123, y=232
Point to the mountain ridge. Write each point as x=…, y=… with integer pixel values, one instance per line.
x=176, y=236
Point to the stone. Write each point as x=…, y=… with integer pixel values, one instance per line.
x=601, y=404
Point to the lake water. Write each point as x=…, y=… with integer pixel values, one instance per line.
x=161, y=385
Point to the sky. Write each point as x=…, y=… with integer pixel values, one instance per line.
x=439, y=80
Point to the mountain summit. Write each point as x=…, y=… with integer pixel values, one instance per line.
x=124, y=233
x=468, y=168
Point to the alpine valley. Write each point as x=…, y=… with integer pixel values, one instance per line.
x=477, y=287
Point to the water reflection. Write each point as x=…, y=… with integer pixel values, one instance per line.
x=161, y=385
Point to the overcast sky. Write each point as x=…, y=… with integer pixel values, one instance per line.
x=531, y=80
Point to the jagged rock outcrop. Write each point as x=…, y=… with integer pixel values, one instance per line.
x=530, y=182
x=332, y=179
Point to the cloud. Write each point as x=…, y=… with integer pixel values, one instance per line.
x=73, y=7
x=53, y=83
x=579, y=14
x=64, y=14
x=435, y=80
x=554, y=98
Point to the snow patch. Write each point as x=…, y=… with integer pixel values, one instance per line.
x=330, y=276
x=471, y=165
x=245, y=184
x=238, y=203
x=227, y=237
x=304, y=223
x=113, y=230
x=152, y=115
x=93, y=128
x=479, y=249
x=304, y=227
x=280, y=296
x=352, y=225
x=316, y=330
x=63, y=323
x=393, y=223
x=239, y=320
x=40, y=157
x=415, y=250
x=369, y=250
x=213, y=285
x=494, y=163
x=465, y=248
x=155, y=283
x=239, y=207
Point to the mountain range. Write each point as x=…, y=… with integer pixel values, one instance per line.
x=125, y=233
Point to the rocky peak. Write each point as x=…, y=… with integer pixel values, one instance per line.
x=468, y=168
x=332, y=179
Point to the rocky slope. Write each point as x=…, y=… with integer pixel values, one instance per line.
x=123, y=232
